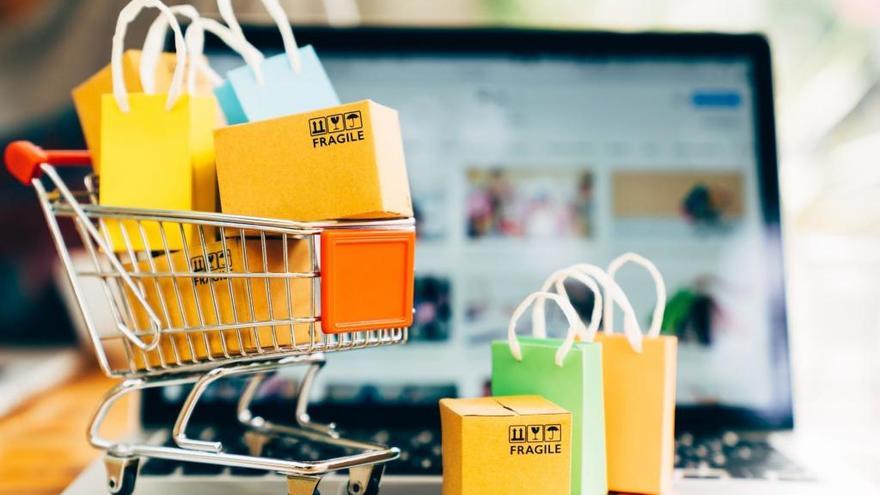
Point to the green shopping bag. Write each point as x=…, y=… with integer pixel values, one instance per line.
x=563, y=371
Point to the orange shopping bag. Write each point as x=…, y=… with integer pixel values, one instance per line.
x=639, y=374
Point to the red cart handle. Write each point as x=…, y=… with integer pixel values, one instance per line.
x=23, y=159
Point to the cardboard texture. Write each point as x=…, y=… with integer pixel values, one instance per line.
x=500, y=445
x=282, y=92
x=235, y=298
x=366, y=280
x=156, y=158
x=87, y=96
x=639, y=412
x=343, y=162
x=576, y=386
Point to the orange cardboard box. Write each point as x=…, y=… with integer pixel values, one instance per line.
x=239, y=300
x=501, y=445
x=639, y=412
x=341, y=162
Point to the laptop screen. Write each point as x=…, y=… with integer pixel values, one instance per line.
x=521, y=165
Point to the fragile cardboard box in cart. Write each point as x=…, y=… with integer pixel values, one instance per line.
x=342, y=162
x=211, y=301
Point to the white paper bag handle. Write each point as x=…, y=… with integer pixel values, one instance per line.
x=574, y=324
x=128, y=14
x=195, y=37
x=558, y=279
x=278, y=15
x=614, y=294
x=155, y=41
x=659, y=285
x=195, y=45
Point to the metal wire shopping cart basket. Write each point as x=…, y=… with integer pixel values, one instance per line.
x=196, y=297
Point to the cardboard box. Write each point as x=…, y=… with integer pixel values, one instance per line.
x=495, y=445
x=239, y=300
x=342, y=162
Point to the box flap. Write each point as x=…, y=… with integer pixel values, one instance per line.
x=480, y=406
x=519, y=405
x=526, y=405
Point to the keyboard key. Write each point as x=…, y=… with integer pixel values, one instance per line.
x=686, y=439
x=730, y=438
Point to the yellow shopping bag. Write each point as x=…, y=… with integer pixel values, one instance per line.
x=87, y=96
x=144, y=71
x=157, y=150
x=639, y=374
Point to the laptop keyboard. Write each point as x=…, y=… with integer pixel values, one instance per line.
x=718, y=456
x=729, y=455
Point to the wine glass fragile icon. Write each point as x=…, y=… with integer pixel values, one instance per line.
x=536, y=433
x=335, y=123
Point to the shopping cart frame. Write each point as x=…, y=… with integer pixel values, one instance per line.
x=32, y=165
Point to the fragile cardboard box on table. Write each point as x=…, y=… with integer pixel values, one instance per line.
x=239, y=300
x=516, y=444
x=343, y=162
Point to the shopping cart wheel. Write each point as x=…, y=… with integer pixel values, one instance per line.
x=365, y=480
x=303, y=485
x=121, y=474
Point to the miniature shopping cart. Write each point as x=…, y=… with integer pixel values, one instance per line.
x=196, y=297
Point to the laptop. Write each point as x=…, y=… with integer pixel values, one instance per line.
x=528, y=151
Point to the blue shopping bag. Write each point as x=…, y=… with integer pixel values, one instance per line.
x=288, y=83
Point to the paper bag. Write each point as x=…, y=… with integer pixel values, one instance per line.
x=565, y=372
x=343, y=162
x=87, y=96
x=144, y=71
x=189, y=302
x=292, y=82
x=639, y=375
x=156, y=150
